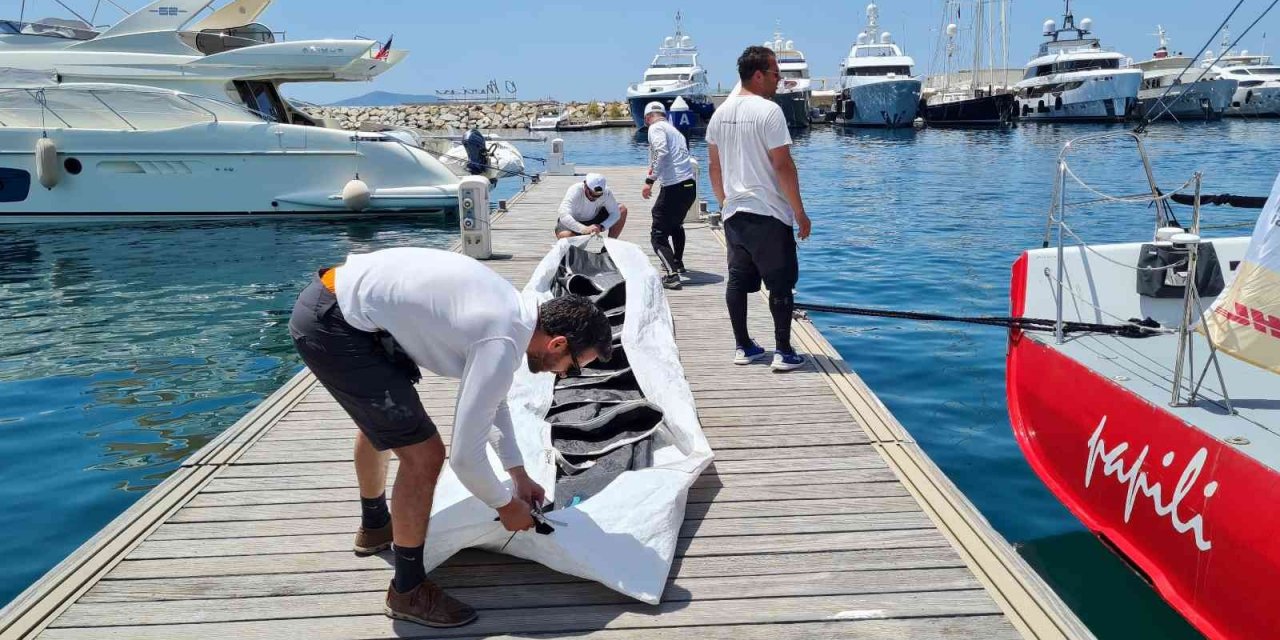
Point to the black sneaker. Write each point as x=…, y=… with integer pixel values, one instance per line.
x=672, y=282
x=680, y=268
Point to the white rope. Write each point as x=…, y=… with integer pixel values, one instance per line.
x=1123, y=199
x=1095, y=252
x=1070, y=290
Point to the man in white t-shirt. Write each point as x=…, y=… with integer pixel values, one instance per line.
x=589, y=207
x=364, y=328
x=755, y=180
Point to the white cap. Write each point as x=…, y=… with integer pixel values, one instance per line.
x=655, y=107
x=595, y=182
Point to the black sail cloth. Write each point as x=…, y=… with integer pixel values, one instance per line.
x=601, y=424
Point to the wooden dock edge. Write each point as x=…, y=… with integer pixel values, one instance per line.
x=1030, y=604
x=31, y=611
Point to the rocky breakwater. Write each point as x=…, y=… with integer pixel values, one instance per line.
x=497, y=115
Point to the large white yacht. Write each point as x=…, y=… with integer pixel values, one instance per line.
x=1073, y=78
x=877, y=88
x=158, y=147
x=1258, y=93
x=794, y=87
x=674, y=73
x=1174, y=88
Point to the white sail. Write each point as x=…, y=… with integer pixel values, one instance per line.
x=1245, y=319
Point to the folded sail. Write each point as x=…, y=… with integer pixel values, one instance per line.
x=1245, y=319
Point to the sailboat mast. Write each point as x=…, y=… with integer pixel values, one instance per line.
x=974, y=82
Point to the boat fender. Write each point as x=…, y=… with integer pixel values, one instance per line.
x=47, y=169
x=356, y=195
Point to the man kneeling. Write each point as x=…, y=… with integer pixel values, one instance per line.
x=590, y=207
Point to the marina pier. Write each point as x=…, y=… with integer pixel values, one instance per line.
x=820, y=518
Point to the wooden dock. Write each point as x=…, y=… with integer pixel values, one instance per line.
x=820, y=517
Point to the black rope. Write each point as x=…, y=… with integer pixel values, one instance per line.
x=1137, y=330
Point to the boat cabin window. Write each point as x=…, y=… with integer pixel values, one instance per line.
x=52, y=27
x=263, y=98
x=672, y=60
x=665, y=77
x=901, y=70
x=1072, y=65
x=212, y=41
x=794, y=73
x=875, y=51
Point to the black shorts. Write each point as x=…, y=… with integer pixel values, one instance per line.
x=761, y=249
x=673, y=202
x=365, y=372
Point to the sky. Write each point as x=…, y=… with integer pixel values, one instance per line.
x=592, y=51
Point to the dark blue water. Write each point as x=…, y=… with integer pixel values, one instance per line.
x=123, y=349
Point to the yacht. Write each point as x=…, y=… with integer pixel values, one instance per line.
x=275, y=160
x=794, y=87
x=674, y=73
x=1258, y=93
x=965, y=100
x=877, y=87
x=1173, y=88
x=1073, y=78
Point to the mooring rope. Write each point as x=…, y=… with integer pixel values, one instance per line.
x=1131, y=330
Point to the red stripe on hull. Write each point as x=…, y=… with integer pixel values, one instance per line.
x=1194, y=514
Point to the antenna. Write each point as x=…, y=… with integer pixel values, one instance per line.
x=679, y=21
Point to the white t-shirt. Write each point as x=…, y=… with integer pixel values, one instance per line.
x=456, y=318
x=575, y=209
x=744, y=129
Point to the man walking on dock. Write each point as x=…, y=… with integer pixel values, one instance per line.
x=589, y=207
x=755, y=181
x=365, y=328
x=672, y=169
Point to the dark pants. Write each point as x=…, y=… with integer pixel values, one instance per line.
x=667, y=234
x=762, y=249
x=365, y=372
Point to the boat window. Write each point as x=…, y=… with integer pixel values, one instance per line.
x=262, y=98
x=901, y=70
x=72, y=30
x=672, y=61
x=212, y=41
x=874, y=51
x=665, y=77
x=794, y=73
x=1268, y=71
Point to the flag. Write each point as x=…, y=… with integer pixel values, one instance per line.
x=1245, y=319
x=385, y=51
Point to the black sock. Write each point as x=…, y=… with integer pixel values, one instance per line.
x=374, y=513
x=781, y=306
x=737, y=301
x=410, y=572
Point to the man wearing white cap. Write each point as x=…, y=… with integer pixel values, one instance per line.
x=589, y=207
x=670, y=167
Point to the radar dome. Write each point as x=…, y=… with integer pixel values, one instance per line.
x=951, y=29
x=886, y=38
x=1049, y=27
x=790, y=45
x=669, y=42
x=686, y=41
x=777, y=45
x=1244, y=52
x=863, y=38
x=1086, y=24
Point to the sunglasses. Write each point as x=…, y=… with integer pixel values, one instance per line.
x=575, y=368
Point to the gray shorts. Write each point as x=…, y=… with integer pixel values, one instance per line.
x=365, y=372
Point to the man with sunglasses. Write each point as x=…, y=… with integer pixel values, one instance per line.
x=364, y=328
x=589, y=207
x=755, y=181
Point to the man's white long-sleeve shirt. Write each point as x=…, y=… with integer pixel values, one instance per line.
x=668, y=154
x=576, y=209
x=458, y=319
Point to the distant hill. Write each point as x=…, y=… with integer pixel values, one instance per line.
x=383, y=99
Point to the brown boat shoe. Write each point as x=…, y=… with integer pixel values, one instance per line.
x=371, y=541
x=429, y=605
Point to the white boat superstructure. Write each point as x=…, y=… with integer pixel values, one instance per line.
x=1073, y=78
x=102, y=151
x=878, y=89
x=795, y=88
x=1174, y=87
x=226, y=61
x=674, y=73
x=1257, y=93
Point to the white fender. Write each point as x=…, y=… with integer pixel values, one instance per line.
x=356, y=195
x=47, y=169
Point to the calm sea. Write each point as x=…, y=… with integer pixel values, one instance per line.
x=125, y=348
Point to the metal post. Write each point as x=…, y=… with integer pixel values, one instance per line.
x=1062, y=215
x=1195, y=208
